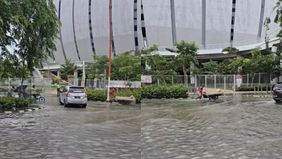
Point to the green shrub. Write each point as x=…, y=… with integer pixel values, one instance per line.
x=265, y=87
x=164, y=91
x=7, y=103
x=96, y=95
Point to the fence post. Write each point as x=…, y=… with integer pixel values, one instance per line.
x=206, y=81
x=224, y=82
x=172, y=82
x=248, y=80
x=214, y=81
x=234, y=83
x=158, y=82
x=196, y=81
x=259, y=78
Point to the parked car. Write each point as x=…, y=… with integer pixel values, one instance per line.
x=277, y=92
x=73, y=95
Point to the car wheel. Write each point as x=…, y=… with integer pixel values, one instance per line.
x=84, y=105
x=61, y=103
x=41, y=100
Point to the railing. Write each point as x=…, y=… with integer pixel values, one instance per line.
x=226, y=82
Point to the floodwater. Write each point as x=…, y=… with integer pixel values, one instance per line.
x=233, y=127
x=101, y=131
x=236, y=127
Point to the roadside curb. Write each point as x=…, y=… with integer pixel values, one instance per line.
x=21, y=111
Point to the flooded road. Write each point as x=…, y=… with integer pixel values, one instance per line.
x=233, y=127
x=101, y=131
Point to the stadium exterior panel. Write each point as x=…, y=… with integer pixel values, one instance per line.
x=212, y=24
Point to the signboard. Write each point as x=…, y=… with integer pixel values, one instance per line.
x=146, y=79
x=239, y=80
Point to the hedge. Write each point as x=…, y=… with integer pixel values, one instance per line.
x=7, y=103
x=96, y=95
x=253, y=88
x=152, y=91
x=164, y=91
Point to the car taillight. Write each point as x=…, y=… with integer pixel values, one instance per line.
x=274, y=90
x=68, y=94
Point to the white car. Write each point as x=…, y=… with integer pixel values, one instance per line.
x=73, y=95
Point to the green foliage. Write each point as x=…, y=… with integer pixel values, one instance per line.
x=258, y=62
x=265, y=87
x=156, y=64
x=31, y=27
x=98, y=68
x=164, y=91
x=187, y=55
x=96, y=95
x=7, y=103
x=211, y=67
x=230, y=50
x=278, y=16
x=126, y=67
x=7, y=69
x=67, y=69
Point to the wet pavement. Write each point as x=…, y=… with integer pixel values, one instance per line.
x=233, y=127
x=238, y=128
x=100, y=131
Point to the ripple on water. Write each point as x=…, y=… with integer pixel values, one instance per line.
x=228, y=129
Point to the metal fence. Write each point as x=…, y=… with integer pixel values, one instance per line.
x=226, y=82
x=229, y=82
x=42, y=84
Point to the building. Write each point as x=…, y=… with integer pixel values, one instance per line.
x=212, y=24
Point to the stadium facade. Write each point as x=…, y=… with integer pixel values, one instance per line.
x=212, y=24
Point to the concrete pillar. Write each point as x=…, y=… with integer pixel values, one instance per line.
x=83, y=74
x=204, y=23
x=75, y=78
x=206, y=81
x=59, y=73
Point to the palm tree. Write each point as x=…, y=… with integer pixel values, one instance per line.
x=67, y=69
x=186, y=56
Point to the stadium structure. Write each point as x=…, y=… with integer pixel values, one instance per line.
x=137, y=24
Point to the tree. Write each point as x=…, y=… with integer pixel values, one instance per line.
x=211, y=67
x=30, y=29
x=98, y=68
x=67, y=69
x=162, y=67
x=7, y=69
x=126, y=67
x=186, y=56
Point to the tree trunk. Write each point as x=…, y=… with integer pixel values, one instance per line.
x=185, y=75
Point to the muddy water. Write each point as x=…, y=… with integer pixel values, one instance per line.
x=236, y=127
x=100, y=131
x=233, y=127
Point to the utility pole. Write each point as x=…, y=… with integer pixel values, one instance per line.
x=110, y=49
x=173, y=25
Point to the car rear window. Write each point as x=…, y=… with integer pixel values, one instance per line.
x=278, y=85
x=76, y=90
